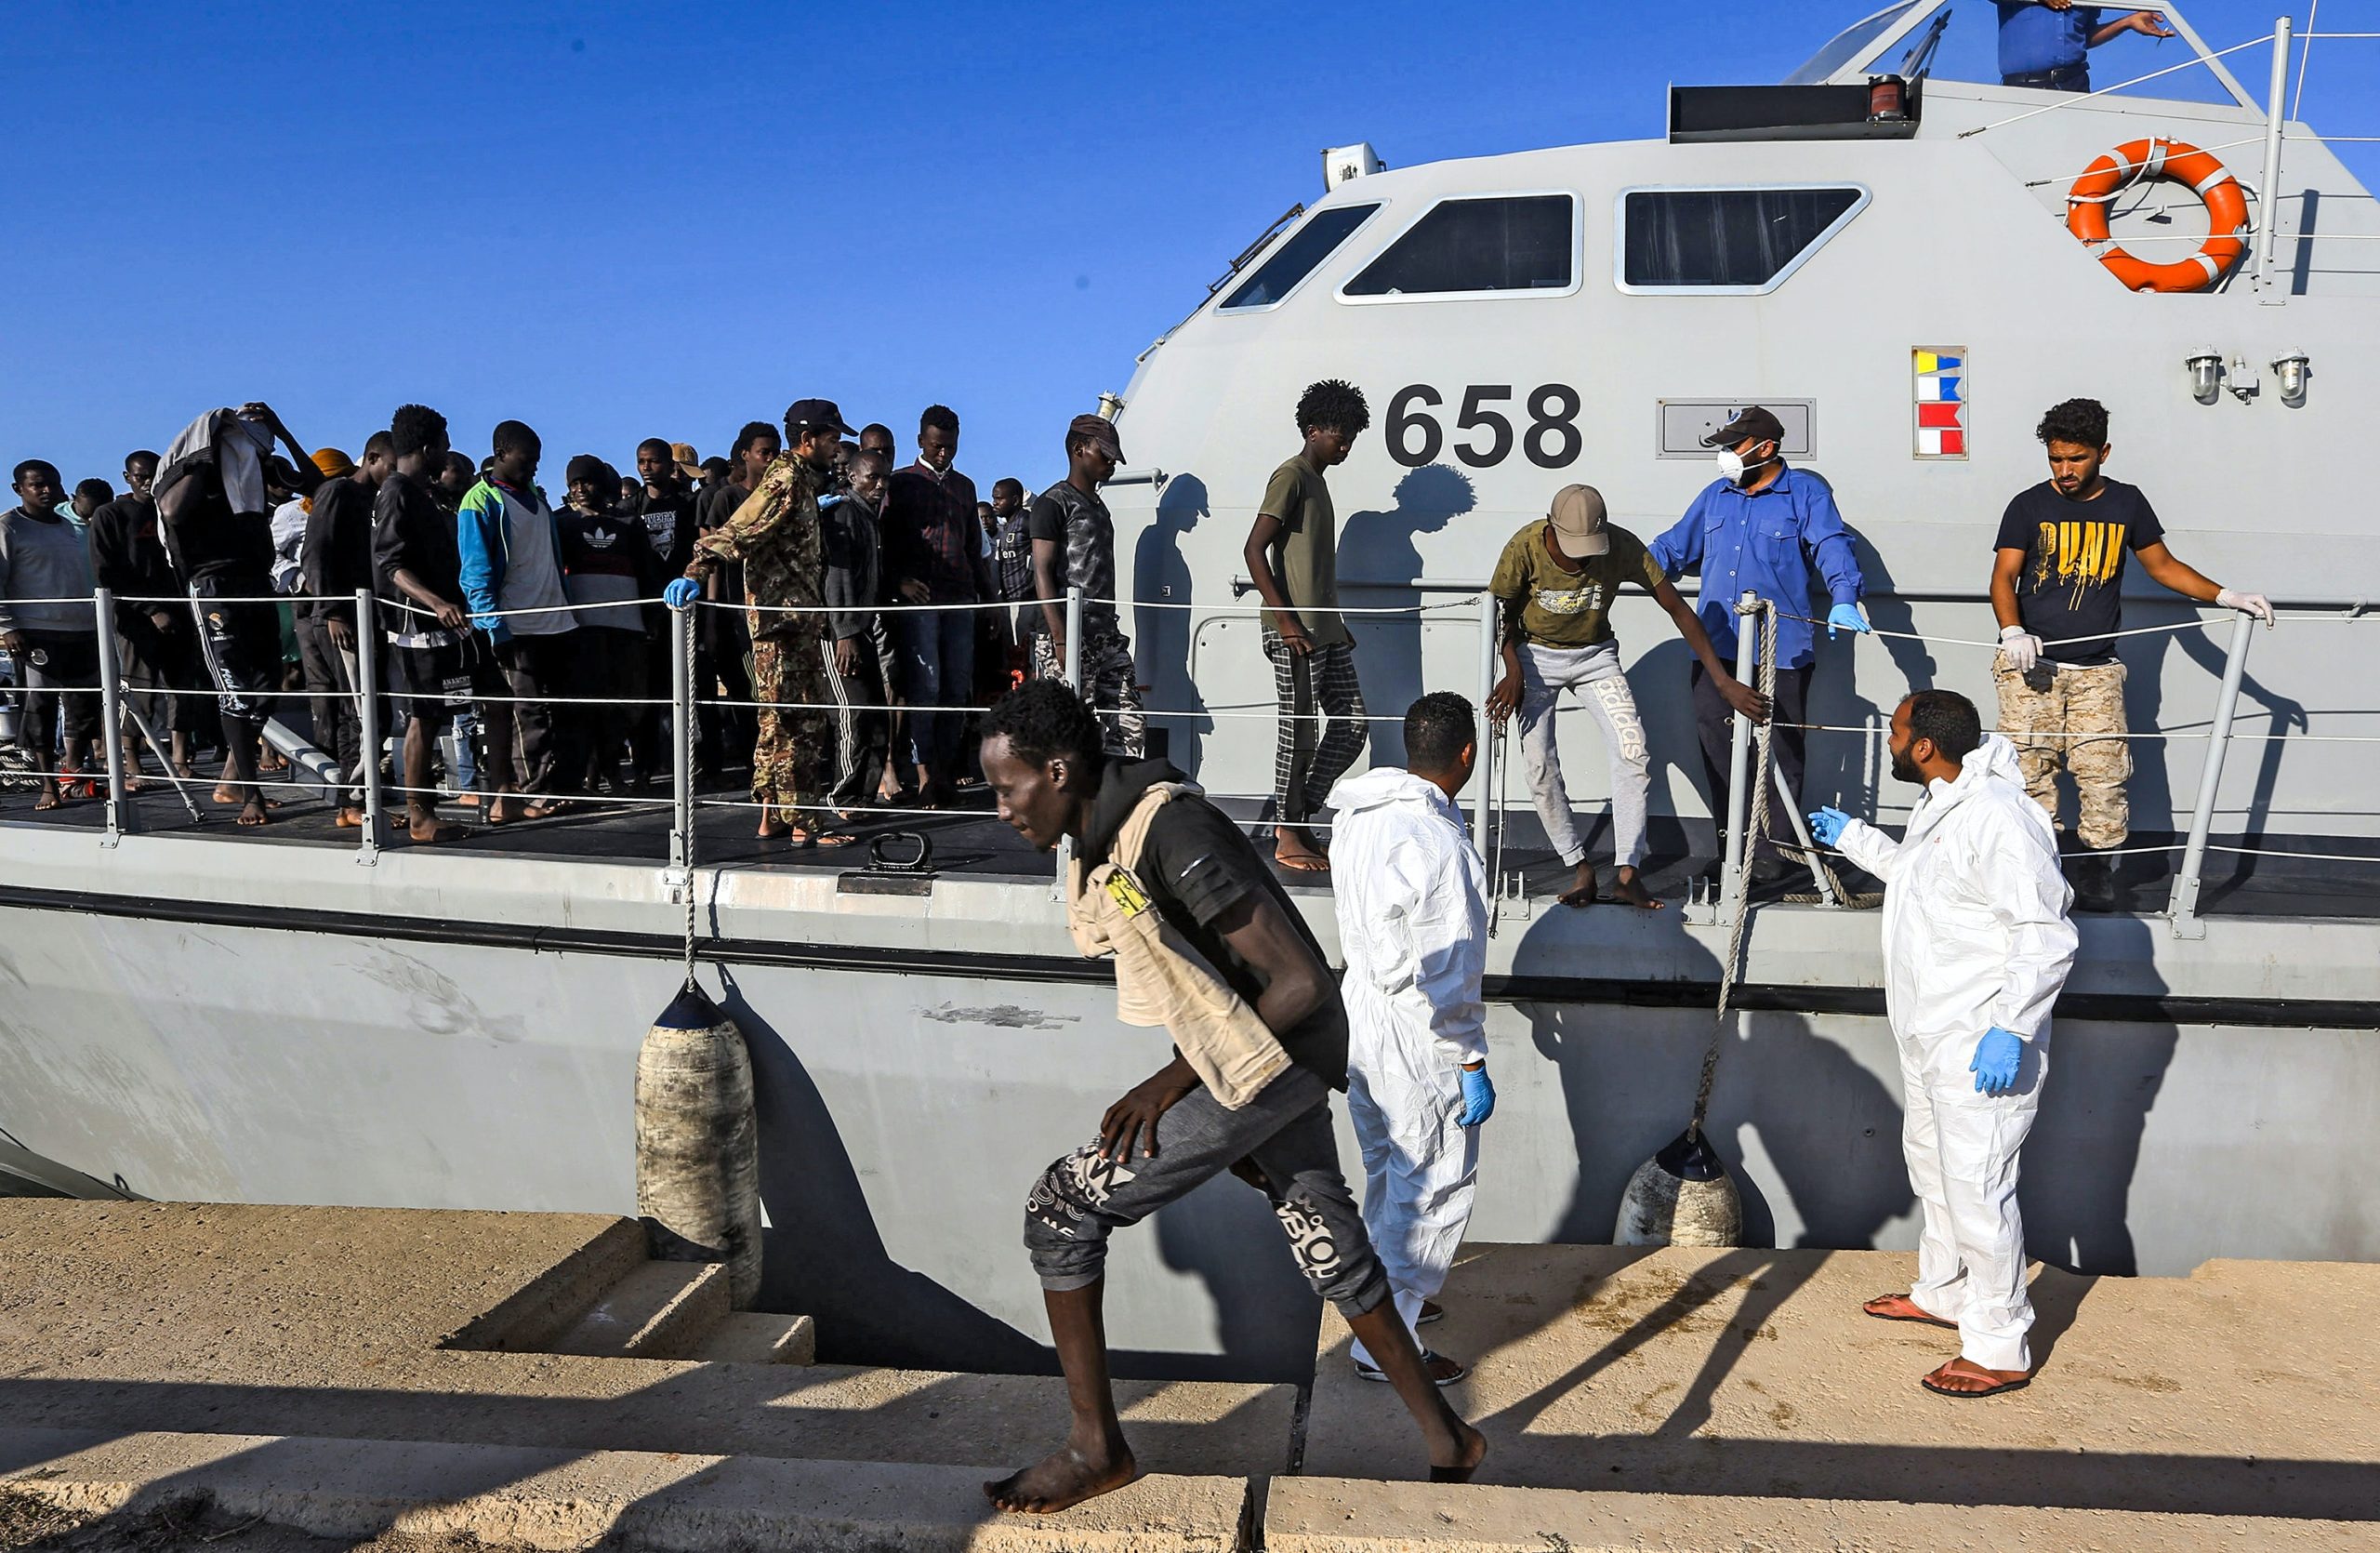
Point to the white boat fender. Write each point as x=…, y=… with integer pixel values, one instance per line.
x=697, y=1143
x=1681, y=1196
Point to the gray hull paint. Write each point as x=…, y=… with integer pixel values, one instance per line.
x=904, y=1115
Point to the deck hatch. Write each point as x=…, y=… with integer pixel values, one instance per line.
x=1727, y=240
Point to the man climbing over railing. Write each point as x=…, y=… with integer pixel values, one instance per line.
x=1760, y=528
x=1555, y=585
x=2057, y=588
x=1208, y=945
x=1977, y=945
x=775, y=533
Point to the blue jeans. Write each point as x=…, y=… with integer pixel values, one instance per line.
x=937, y=669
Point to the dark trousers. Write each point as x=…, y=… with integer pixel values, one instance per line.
x=722, y=734
x=1714, y=723
x=532, y=742
x=612, y=665
x=938, y=668
x=165, y=657
x=59, y=672
x=330, y=682
x=241, y=645
x=862, y=728
x=649, y=733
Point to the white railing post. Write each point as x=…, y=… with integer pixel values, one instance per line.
x=373, y=830
x=1731, y=892
x=111, y=715
x=2269, y=193
x=682, y=714
x=2184, y=908
x=1490, y=620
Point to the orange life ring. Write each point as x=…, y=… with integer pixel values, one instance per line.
x=2226, y=212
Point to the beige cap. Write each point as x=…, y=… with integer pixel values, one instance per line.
x=1578, y=518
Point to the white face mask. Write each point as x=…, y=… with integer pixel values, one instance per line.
x=1733, y=464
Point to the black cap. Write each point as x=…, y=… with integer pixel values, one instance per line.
x=1751, y=422
x=816, y=411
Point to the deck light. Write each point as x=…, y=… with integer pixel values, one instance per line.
x=2289, y=367
x=2205, y=365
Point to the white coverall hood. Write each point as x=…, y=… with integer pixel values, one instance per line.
x=1412, y=909
x=1975, y=935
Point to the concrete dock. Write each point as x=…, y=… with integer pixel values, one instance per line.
x=532, y=1381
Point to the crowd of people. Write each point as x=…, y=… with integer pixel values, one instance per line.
x=519, y=639
x=861, y=609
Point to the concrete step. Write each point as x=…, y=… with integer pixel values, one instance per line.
x=660, y=1310
x=759, y=1337
x=517, y=1497
x=1343, y=1515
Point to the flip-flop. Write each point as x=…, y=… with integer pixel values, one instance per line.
x=1993, y=1390
x=1927, y=1319
x=1431, y=1311
x=1428, y=1355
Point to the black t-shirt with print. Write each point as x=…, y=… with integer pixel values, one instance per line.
x=2072, y=587
x=1085, y=534
x=670, y=530
x=1195, y=865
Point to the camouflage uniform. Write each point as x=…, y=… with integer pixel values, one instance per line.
x=775, y=534
x=2046, y=725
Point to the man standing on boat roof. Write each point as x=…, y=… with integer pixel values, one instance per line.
x=1977, y=945
x=775, y=534
x=1315, y=691
x=2056, y=585
x=1760, y=527
x=1206, y=944
x=2048, y=43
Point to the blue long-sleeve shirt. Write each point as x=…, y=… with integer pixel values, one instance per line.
x=1765, y=542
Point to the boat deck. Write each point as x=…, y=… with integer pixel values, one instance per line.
x=2271, y=875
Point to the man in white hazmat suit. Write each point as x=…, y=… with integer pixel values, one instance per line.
x=1976, y=947
x=1412, y=914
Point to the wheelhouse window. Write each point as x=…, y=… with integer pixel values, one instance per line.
x=1477, y=246
x=1296, y=258
x=1726, y=240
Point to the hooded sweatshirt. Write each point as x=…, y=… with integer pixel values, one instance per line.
x=1412, y=909
x=1976, y=926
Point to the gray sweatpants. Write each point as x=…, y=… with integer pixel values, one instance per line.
x=1594, y=674
x=1286, y=1131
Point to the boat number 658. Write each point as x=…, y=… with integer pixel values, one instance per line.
x=1550, y=438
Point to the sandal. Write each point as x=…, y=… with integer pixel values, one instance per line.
x=1921, y=1313
x=1429, y=1356
x=2017, y=1382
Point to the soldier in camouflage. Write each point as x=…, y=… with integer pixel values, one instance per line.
x=775, y=534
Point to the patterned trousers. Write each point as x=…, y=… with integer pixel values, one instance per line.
x=2043, y=726
x=1308, y=758
x=1107, y=685
x=790, y=756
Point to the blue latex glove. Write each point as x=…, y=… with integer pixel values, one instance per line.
x=1994, y=1064
x=1827, y=825
x=1478, y=1096
x=681, y=593
x=1845, y=617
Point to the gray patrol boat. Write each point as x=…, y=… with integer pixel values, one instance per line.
x=1879, y=251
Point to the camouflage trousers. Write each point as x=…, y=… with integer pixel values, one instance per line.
x=2055, y=727
x=790, y=757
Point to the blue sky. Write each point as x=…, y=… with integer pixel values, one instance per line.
x=666, y=219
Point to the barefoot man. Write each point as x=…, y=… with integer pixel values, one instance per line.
x=1976, y=947
x=1556, y=582
x=1206, y=944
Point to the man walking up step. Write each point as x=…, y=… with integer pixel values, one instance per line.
x=1206, y=944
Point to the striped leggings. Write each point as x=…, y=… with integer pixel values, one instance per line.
x=1312, y=753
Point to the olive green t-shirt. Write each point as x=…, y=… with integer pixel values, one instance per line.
x=1309, y=544
x=1568, y=609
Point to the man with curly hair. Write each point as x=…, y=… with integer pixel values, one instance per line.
x=2056, y=589
x=1206, y=944
x=1292, y=557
